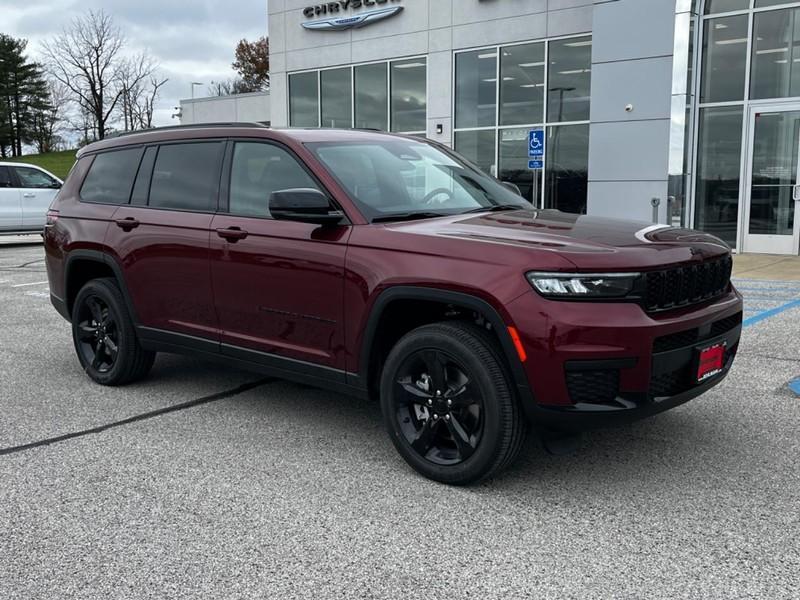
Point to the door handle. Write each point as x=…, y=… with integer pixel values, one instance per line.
x=29, y=195
x=232, y=234
x=127, y=223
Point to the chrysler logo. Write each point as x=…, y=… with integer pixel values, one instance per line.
x=339, y=23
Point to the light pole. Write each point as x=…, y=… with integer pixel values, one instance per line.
x=194, y=83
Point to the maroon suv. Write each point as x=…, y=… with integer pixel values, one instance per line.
x=390, y=267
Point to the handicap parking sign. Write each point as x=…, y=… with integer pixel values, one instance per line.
x=536, y=149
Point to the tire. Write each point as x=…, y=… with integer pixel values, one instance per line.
x=472, y=437
x=104, y=337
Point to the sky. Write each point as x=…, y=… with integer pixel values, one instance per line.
x=192, y=40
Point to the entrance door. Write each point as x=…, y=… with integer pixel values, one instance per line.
x=771, y=222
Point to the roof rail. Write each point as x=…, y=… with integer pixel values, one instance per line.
x=253, y=124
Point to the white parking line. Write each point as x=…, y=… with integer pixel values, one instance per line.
x=27, y=284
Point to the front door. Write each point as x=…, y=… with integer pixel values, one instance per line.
x=771, y=222
x=38, y=191
x=278, y=285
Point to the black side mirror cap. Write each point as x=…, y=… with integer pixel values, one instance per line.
x=305, y=205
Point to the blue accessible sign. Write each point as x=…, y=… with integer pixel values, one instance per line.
x=536, y=149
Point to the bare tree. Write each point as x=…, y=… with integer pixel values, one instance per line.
x=146, y=107
x=132, y=73
x=87, y=58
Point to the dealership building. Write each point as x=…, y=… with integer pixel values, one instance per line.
x=670, y=111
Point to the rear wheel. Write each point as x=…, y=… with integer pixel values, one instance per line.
x=448, y=405
x=104, y=337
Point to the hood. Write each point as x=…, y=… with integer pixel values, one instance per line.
x=587, y=242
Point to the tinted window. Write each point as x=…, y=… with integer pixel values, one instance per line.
x=337, y=98
x=371, y=96
x=110, y=177
x=476, y=91
x=34, y=178
x=724, y=59
x=569, y=80
x=186, y=176
x=142, y=186
x=5, y=177
x=303, y=101
x=409, y=95
x=257, y=171
x=522, y=84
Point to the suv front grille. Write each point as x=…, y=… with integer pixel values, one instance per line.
x=593, y=387
x=686, y=285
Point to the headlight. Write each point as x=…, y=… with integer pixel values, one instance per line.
x=582, y=285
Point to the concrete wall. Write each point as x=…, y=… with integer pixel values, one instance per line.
x=224, y=109
x=632, y=64
x=426, y=27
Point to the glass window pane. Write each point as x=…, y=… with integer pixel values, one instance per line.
x=476, y=88
x=765, y=3
x=186, y=176
x=5, y=177
x=774, y=173
x=567, y=168
x=514, y=164
x=110, y=177
x=303, y=100
x=258, y=170
x=34, y=178
x=371, y=97
x=719, y=6
x=569, y=80
x=776, y=52
x=336, y=96
x=409, y=95
x=522, y=87
x=477, y=147
x=724, y=59
x=718, y=167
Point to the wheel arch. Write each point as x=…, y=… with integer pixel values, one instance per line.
x=409, y=294
x=84, y=265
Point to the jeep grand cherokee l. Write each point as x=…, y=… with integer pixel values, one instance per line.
x=389, y=267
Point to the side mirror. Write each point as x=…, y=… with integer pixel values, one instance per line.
x=305, y=205
x=56, y=185
x=512, y=187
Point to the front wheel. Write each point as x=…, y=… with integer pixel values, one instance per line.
x=448, y=405
x=104, y=337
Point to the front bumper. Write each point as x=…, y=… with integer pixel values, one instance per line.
x=595, y=365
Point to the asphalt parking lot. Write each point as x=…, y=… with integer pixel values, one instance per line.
x=274, y=490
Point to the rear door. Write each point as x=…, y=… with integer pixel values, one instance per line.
x=38, y=191
x=162, y=239
x=10, y=201
x=278, y=285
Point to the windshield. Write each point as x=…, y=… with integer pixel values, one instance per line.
x=403, y=177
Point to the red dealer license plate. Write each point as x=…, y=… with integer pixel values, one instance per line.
x=711, y=361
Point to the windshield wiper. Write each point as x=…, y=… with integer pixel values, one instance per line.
x=495, y=208
x=409, y=216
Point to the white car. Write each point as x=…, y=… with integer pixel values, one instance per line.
x=26, y=192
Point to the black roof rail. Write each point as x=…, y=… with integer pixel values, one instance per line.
x=253, y=124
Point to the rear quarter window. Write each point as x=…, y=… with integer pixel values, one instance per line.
x=111, y=176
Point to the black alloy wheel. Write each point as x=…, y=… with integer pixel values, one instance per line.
x=448, y=404
x=98, y=334
x=438, y=407
x=104, y=335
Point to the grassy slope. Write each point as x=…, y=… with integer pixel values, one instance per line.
x=58, y=163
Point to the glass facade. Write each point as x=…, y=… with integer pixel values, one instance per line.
x=746, y=157
x=389, y=96
x=503, y=92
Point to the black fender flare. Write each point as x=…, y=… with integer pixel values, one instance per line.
x=107, y=260
x=459, y=299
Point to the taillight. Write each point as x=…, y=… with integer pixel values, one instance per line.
x=52, y=217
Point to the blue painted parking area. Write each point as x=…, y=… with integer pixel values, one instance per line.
x=766, y=299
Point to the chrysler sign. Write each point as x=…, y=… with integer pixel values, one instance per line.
x=338, y=16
